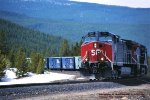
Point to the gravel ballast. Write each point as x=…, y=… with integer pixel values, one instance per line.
x=23, y=92
x=141, y=92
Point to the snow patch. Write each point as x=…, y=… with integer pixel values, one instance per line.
x=9, y=75
x=50, y=1
x=81, y=78
x=41, y=78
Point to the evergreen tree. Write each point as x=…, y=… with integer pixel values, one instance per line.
x=64, y=50
x=33, y=62
x=11, y=57
x=3, y=41
x=75, y=50
x=40, y=67
x=77, y=47
x=20, y=61
x=2, y=63
x=37, y=63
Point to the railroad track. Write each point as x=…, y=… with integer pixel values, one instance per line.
x=28, y=90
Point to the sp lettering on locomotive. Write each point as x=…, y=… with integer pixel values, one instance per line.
x=95, y=52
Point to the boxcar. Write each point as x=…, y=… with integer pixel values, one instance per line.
x=68, y=63
x=54, y=63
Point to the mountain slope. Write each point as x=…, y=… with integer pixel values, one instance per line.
x=75, y=30
x=30, y=40
x=75, y=11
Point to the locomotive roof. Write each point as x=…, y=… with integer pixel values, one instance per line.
x=130, y=41
x=102, y=34
x=133, y=43
x=114, y=35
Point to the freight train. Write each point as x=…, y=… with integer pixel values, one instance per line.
x=106, y=55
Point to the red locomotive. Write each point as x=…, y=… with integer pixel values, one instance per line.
x=107, y=56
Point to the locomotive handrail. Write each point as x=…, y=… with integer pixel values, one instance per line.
x=84, y=57
x=134, y=60
x=106, y=57
x=108, y=60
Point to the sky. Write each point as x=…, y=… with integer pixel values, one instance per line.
x=126, y=3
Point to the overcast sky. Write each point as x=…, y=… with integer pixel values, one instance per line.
x=127, y=3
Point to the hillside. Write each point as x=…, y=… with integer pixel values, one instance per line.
x=76, y=11
x=30, y=40
x=72, y=20
x=73, y=31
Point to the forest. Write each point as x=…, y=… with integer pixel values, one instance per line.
x=18, y=43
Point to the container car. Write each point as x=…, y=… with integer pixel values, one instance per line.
x=68, y=63
x=54, y=63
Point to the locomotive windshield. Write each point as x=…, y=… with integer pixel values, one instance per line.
x=89, y=38
x=105, y=38
x=97, y=36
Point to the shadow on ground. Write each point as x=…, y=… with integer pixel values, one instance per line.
x=133, y=81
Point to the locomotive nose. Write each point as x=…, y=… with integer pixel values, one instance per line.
x=96, y=52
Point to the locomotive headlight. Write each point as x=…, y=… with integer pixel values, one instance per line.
x=95, y=45
x=86, y=59
x=102, y=59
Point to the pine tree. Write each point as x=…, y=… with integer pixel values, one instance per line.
x=40, y=67
x=33, y=62
x=3, y=41
x=64, y=50
x=37, y=63
x=20, y=61
x=2, y=63
x=11, y=57
x=75, y=50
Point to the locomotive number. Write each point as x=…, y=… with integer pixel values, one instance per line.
x=95, y=52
